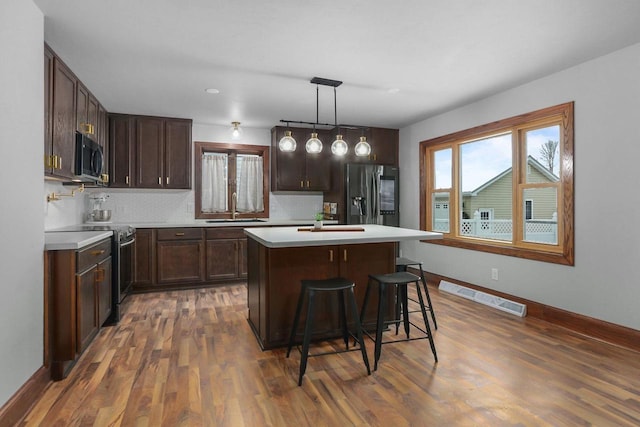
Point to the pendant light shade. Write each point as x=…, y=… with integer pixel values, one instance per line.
x=339, y=146
x=287, y=142
x=314, y=145
x=363, y=148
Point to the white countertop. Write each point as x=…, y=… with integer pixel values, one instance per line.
x=204, y=223
x=284, y=237
x=72, y=240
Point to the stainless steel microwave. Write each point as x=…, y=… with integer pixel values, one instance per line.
x=89, y=158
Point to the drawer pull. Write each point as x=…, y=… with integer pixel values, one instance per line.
x=97, y=253
x=179, y=234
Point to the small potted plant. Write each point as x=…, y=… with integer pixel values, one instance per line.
x=317, y=224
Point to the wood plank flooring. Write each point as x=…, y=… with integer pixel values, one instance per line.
x=189, y=358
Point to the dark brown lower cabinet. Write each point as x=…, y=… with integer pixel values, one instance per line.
x=274, y=283
x=187, y=257
x=79, y=301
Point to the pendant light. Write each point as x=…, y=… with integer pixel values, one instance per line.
x=314, y=145
x=339, y=147
x=362, y=148
x=287, y=143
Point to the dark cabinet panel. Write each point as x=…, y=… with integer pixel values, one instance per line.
x=222, y=259
x=180, y=261
x=121, y=135
x=103, y=283
x=177, y=154
x=48, y=108
x=63, y=116
x=299, y=170
x=144, y=255
x=149, y=152
x=87, y=322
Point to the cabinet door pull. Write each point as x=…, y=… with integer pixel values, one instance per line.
x=179, y=234
x=126, y=179
x=307, y=184
x=344, y=255
x=167, y=180
x=301, y=184
x=160, y=180
x=99, y=275
x=330, y=255
x=97, y=253
x=59, y=162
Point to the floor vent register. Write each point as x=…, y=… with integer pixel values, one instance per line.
x=484, y=298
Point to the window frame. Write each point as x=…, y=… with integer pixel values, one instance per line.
x=560, y=253
x=231, y=150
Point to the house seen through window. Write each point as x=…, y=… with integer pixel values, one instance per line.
x=505, y=187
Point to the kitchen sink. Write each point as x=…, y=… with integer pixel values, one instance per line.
x=238, y=220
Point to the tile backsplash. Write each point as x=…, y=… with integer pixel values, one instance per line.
x=178, y=205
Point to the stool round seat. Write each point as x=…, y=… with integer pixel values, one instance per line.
x=396, y=278
x=343, y=288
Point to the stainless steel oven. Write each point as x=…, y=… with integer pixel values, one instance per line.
x=123, y=264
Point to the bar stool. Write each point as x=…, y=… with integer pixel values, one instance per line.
x=310, y=288
x=399, y=280
x=401, y=265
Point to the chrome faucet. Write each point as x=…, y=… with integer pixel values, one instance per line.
x=234, y=202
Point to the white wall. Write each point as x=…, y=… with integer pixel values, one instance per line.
x=21, y=188
x=134, y=206
x=604, y=281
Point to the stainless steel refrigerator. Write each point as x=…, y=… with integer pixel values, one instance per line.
x=372, y=193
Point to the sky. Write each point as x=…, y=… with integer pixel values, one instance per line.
x=484, y=159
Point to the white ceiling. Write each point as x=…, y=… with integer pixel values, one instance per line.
x=400, y=61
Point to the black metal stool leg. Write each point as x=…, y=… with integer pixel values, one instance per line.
x=426, y=291
x=307, y=336
x=402, y=292
x=382, y=307
x=426, y=321
x=296, y=319
x=358, y=326
x=342, y=315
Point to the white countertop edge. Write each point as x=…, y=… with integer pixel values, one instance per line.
x=73, y=240
x=285, y=237
x=205, y=224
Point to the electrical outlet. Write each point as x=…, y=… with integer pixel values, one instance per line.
x=494, y=273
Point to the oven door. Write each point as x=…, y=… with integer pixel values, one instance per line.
x=125, y=267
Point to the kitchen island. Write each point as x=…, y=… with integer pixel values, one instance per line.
x=280, y=257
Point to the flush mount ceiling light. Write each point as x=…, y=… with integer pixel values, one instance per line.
x=236, y=131
x=339, y=147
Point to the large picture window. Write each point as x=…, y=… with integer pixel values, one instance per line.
x=505, y=187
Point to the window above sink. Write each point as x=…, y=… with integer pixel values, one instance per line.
x=231, y=182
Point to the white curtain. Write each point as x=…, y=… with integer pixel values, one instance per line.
x=214, y=182
x=249, y=184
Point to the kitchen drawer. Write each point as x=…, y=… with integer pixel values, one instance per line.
x=186, y=233
x=225, y=233
x=92, y=255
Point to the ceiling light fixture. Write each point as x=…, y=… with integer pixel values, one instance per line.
x=339, y=147
x=236, y=131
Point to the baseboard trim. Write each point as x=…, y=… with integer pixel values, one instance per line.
x=594, y=328
x=23, y=400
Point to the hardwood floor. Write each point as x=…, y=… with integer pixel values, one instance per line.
x=189, y=358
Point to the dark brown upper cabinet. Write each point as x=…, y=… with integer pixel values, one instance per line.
x=150, y=152
x=299, y=170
